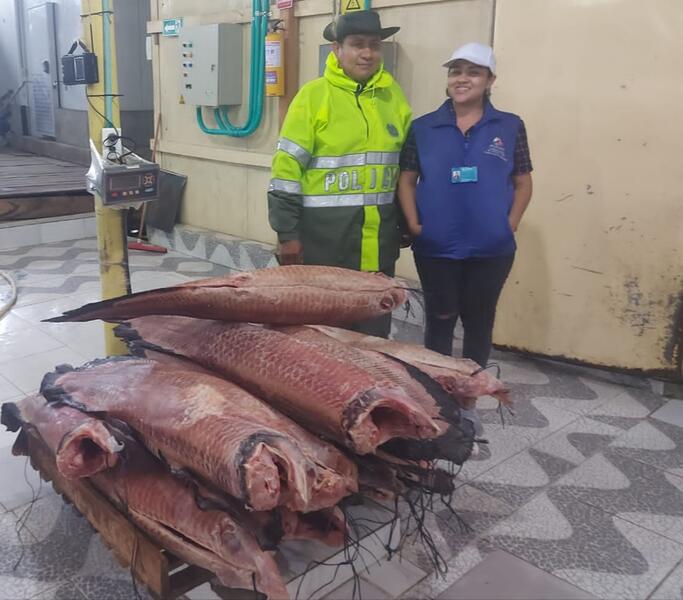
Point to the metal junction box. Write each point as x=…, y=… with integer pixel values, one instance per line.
x=211, y=64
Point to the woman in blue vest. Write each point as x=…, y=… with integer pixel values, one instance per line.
x=465, y=183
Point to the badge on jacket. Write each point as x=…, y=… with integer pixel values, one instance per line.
x=464, y=175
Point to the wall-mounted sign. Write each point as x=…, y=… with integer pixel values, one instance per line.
x=351, y=5
x=172, y=27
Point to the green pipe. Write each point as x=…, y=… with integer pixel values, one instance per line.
x=259, y=29
x=106, y=38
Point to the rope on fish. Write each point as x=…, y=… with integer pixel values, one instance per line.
x=23, y=518
x=351, y=552
x=418, y=513
x=495, y=366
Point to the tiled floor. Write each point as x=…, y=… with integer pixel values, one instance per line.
x=579, y=494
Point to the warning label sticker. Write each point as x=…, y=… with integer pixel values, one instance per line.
x=350, y=5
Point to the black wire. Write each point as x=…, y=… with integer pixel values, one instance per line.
x=23, y=518
x=110, y=143
x=106, y=120
x=101, y=12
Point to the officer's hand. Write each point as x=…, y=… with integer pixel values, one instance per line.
x=290, y=253
x=406, y=240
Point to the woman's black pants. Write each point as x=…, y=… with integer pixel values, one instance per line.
x=467, y=289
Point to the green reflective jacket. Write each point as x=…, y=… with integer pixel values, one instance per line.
x=335, y=170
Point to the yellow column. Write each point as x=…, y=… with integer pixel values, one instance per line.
x=103, y=111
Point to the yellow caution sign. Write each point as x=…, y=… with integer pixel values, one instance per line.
x=351, y=5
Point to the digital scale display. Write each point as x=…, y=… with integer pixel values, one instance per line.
x=122, y=183
x=122, y=186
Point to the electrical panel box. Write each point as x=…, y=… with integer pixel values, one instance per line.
x=389, y=50
x=211, y=64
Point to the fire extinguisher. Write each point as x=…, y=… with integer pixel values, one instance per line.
x=275, y=61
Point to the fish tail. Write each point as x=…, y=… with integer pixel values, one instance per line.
x=87, y=312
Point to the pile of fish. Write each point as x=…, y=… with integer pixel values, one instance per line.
x=244, y=416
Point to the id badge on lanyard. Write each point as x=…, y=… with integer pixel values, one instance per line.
x=464, y=175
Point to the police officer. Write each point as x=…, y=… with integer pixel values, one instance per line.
x=465, y=183
x=331, y=196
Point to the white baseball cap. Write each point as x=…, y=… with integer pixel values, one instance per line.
x=478, y=54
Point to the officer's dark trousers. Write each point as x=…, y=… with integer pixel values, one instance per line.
x=379, y=327
x=467, y=289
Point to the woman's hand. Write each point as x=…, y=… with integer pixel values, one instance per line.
x=415, y=228
x=523, y=188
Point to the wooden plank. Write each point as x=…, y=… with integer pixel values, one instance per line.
x=24, y=174
x=189, y=578
x=17, y=209
x=125, y=540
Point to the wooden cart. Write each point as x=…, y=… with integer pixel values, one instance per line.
x=168, y=577
x=165, y=575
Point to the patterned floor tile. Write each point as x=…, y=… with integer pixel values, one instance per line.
x=51, y=516
x=23, y=342
x=60, y=551
x=73, y=261
x=11, y=322
x=465, y=559
x=7, y=438
x=65, y=591
x=358, y=589
x=522, y=372
x=394, y=577
x=521, y=470
x=672, y=587
x=27, y=373
x=632, y=404
x=593, y=550
x=631, y=490
x=505, y=577
x=71, y=285
x=108, y=588
x=87, y=339
x=25, y=570
x=20, y=588
x=533, y=421
x=7, y=390
x=533, y=410
x=671, y=412
x=20, y=483
x=54, y=307
x=653, y=442
x=579, y=440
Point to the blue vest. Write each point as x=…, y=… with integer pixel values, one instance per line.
x=465, y=220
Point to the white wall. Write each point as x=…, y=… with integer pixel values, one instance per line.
x=10, y=57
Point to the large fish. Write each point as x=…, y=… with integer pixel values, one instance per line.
x=212, y=427
x=289, y=294
x=462, y=378
x=455, y=437
x=326, y=394
x=167, y=510
x=160, y=504
x=83, y=445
